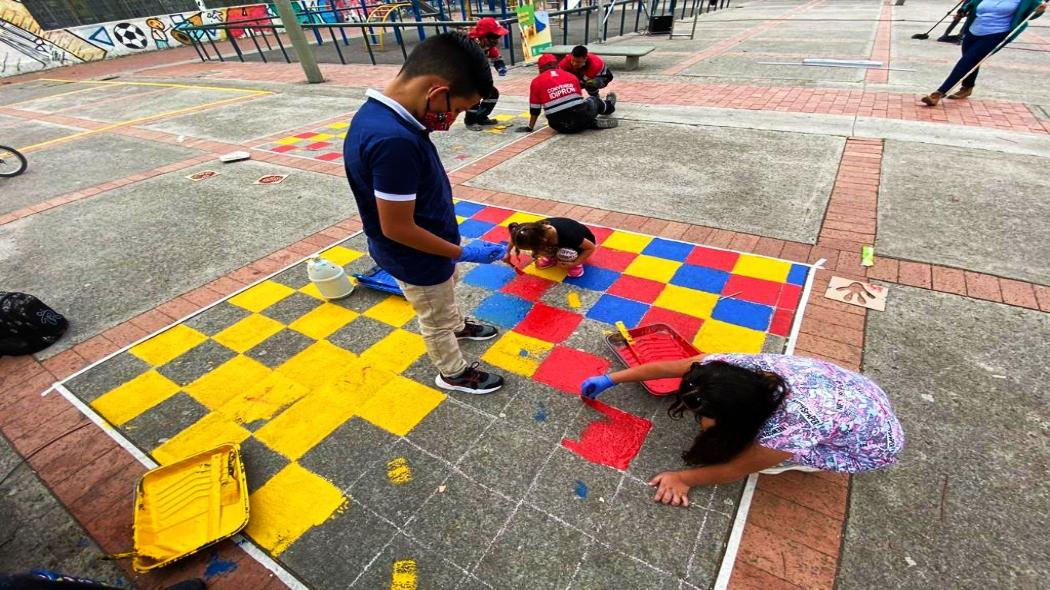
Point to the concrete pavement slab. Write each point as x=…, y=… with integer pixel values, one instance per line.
x=741, y=66
x=708, y=176
x=966, y=506
x=11, y=94
x=27, y=133
x=71, y=104
x=150, y=105
x=976, y=138
x=977, y=213
x=104, y=158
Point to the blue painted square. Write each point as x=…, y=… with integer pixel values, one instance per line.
x=594, y=278
x=700, y=278
x=472, y=228
x=467, y=209
x=611, y=309
x=798, y=273
x=490, y=276
x=743, y=313
x=668, y=249
x=503, y=310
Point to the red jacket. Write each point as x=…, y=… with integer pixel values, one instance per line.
x=591, y=68
x=553, y=91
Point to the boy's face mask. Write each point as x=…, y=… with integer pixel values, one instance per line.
x=441, y=120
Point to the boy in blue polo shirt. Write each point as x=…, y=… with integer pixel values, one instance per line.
x=405, y=199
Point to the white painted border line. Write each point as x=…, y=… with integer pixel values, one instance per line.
x=796, y=325
x=243, y=542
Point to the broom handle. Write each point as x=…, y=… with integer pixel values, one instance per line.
x=1030, y=18
x=946, y=15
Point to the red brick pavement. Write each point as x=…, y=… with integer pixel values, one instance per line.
x=880, y=50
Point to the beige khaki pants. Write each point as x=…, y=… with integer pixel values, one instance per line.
x=439, y=320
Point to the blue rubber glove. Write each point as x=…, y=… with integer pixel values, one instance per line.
x=592, y=387
x=483, y=252
x=502, y=71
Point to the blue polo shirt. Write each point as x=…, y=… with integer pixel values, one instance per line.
x=388, y=155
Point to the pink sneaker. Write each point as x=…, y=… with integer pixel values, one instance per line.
x=544, y=262
x=576, y=272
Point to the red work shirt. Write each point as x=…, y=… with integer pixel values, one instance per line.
x=591, y=68
x=554, y=90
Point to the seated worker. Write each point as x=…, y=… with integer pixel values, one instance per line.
x=558, y=94
x=588, y=68
x=487, y=34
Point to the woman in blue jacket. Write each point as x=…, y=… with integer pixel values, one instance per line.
x=988, y=23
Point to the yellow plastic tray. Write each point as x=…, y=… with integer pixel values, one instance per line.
x=184, y=507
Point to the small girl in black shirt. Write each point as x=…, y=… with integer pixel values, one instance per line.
x=557, y=240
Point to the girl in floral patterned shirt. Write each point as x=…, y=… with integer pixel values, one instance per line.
x=768, y=413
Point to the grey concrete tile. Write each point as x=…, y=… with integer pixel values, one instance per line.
x=710, y=546
x=291, y=308
x=194, y=363
x=662, y=449
x=449, y=430
x=294, y=277
x=33, y=132
x=360, y=334
x=496, y=459
x=431, y=569
x=575, y=490
x=605, y=568
x=455, y=522
x=162, y=422
x=774, y=344
x=216, y=319
x=362, y=299
x=347, y=453
x=397, y=490
x=175, y=99
x=542, y=411
x=91, y=384
x=558, y=296
x=590, y=336
x=260, y=463
x=553, y=550
x=277, y=349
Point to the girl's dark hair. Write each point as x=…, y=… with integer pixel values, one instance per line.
x=530, y=236
x=738, y=400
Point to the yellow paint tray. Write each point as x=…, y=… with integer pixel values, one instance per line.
x=184, y=507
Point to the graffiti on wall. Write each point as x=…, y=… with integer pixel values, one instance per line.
x=26, y=47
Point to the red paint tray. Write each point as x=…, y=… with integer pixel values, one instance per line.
x=656, y=342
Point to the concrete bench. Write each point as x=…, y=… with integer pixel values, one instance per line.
x=633, y=53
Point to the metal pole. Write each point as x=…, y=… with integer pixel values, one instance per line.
x=299, y=44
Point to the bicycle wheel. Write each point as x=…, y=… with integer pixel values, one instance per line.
x=12, y=163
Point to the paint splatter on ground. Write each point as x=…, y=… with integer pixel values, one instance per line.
x=403, y=575
x=398, y=471
x=218, y=567
x=541, y=412
x=581, y=490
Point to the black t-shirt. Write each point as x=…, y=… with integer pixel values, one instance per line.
x=571, y=233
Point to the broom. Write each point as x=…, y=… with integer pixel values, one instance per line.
x=1030, y=18
x=926, y=35
x=948, y=37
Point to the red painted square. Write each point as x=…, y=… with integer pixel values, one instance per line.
x=527, y=287
x=712, y=258
x=307, y=135
x=549, y=323
x=282, y=148
x=600, y=234
x=611, y=259
x=751, y=289
x=496, y=235
x=789, y=296
x=319, y=145
x=686, y=326
x=781, y=324
x=492, y=214
x=566, y=368
x=330, y=156
x=614, y=439
x=636, y=289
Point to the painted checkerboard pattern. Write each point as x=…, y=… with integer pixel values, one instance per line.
x=358, y=465
x=319, y=142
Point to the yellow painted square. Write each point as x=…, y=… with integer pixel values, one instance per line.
x=551, y=273
x=134, y=397
x=716, y=336
x=760, y=267
x=261, y=296
x=393, y=310
x=320, y=322
x=218, y=386
x=395, y=352
x=503, y=118
x=320, y=362
x=168, y=345
x=519, y=217
x=688, y=301
x=308, y=421
x=209, y=432
x=263, y=400
x=341, y=255
x=312, y=290
x=288, y=140
x=341, y=135
x=517, y=353
x=399, y=405
x=652, y=268
x=322, y=137
x=248, y=332
x=291, y=503
x=340, y=125
x=460, y=219
x=627, y=241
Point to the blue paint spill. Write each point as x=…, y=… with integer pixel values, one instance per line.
x=218, y=567
x=541, y=412
x=523, y=353
x=581, y=490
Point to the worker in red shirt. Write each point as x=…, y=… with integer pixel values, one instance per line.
x=590, y=69
x=558, y=94
x=487, y=34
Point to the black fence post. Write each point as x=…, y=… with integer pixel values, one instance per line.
x=281, y=44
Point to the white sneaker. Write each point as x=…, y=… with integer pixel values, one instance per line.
x=788, y=466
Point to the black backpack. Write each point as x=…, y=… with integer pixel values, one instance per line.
x=27, y=325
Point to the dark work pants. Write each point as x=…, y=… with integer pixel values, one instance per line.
x=579, y=117
x=598, y=82
x=483, y=109
x=974, y=49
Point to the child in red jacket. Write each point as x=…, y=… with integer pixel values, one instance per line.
x=487, y=34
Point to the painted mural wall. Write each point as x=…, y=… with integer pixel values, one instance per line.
x=25, y=47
